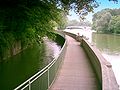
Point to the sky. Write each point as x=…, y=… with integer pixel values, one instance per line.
x=103, y=4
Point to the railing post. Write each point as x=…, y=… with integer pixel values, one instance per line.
x=48, y=78
x=29, y=85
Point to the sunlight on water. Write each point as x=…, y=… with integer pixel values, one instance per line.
x=52, y=49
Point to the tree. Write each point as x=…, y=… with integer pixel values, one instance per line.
x=62, y=21
x=30, y=20
x=77, y=23
x=114, y=25
x=73, y=23
x=101, y=20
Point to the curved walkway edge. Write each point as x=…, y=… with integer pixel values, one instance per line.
x=76, y=72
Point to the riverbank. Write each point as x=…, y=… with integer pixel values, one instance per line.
x=106, y=43
x=22, y=66
x=109, y=45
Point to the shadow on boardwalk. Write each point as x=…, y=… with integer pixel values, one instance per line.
x=76, y=73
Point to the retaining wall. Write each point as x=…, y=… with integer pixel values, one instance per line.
x=101, y=66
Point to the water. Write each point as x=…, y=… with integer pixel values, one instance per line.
x=22, y=66
x=52, y=48
x=109, y=45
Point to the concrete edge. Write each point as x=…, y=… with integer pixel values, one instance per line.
x=103, y=67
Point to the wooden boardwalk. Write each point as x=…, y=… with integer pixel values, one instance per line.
x=76, y=72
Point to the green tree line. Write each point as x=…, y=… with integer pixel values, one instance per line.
x=27, y=21
x=107, y=21
x=77, y=23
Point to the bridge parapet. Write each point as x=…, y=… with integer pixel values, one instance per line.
x=101, y=66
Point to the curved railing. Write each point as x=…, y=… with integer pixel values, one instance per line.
x=45, y=77
x=102, y=68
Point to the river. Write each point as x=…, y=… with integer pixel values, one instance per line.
x=108, y=44
x=19, y=68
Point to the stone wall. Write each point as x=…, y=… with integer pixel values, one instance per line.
x=8, y=52
x=101, y=66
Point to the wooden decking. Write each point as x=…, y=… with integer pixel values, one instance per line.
x=76, y=72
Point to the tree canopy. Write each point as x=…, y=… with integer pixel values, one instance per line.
x=30, y=20
x=107, y=21
x=77, y=23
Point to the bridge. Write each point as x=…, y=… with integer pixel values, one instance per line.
x=76, y=72
x=80, y=66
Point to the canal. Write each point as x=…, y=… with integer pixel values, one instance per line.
x=19, y=68
x=109, y=45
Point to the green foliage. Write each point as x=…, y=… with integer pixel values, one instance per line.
x=62, y=20
x=103, y=21
x=114, y=25
x=28, y=21
x=77, y=23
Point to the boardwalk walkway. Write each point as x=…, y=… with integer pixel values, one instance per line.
x=76, y=72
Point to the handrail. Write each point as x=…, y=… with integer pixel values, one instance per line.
x=102, y=67
x=28, y=82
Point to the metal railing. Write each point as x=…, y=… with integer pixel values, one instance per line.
x=44, y=78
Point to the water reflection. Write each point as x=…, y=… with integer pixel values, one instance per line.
x=52, y=49
x=19, y=68
x=109, y=45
